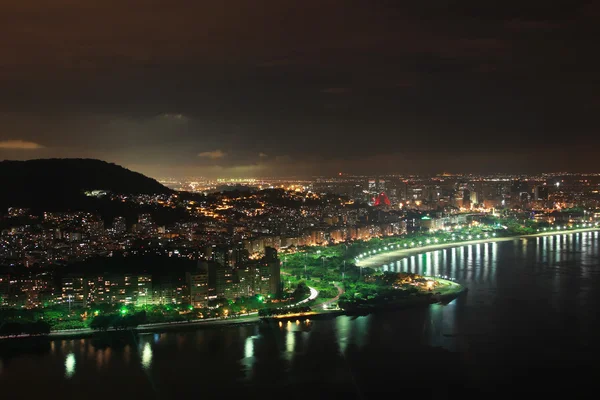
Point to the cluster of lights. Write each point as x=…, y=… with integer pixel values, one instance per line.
x=445, y=277
x=559, y=228
x=369, y=253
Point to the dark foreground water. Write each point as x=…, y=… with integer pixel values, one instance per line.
x=530, y=323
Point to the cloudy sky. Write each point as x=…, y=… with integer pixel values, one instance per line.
x=261, y=88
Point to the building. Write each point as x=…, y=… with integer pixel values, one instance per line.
x=170, y=291
x=262, y=279
x=223, y=281
x=381, y=200
x=119, y=225
x=474, y=198
x=97, y=290
x=73, y=290
x=432, y=224
x=541, y=193
x=4, y=289
x=197, y=283
x=119, y=289
x=372, y=186
x=274, y=266
x=143, y=292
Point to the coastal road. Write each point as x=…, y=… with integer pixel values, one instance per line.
x=314, y=293
x=248, y=318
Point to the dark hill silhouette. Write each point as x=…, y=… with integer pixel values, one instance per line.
x=54, y=184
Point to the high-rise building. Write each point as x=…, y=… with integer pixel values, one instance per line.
x=119, y=225
x=224, y=280
x=248, y=277
x=143, y=293
x=541, y=192
x=239, y=255
x=262, y=283
x=372, y=186
x=96, y=290
x=474, y=197
x=4, y=288
x=170, y=291
x=466, y=199
x=274, y=266
x=220, y=255
x=119, y=289
x=197, y=282
x=73, y=290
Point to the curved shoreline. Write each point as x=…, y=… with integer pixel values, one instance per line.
x=450, y=292
x=244, y=320
x=393, y=255
x=376, y=261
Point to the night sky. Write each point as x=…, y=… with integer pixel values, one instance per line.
x=242, y=88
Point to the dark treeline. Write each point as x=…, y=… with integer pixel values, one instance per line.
x=15, y=328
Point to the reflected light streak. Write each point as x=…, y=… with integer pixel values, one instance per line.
x=70, y=365
x=290, y=341
x=99, y=358
x=342, y=332
x=147, y=356
x=249, y=347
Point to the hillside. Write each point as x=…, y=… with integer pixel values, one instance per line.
x=60, y=183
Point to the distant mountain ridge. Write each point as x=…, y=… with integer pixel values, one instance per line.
x=60, y=182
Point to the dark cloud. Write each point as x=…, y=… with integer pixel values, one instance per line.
x=319, y=86
x=337, y=90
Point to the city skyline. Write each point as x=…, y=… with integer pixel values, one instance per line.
x=274, y=88
x=295, y=198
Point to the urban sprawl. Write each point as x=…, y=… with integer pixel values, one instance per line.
x=233, y=234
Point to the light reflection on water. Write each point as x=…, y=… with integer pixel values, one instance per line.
x=470, y=263
x=552, y=281
x=290, y=344
x=70, y=365
x=249, y=347
x=343, y=332
x=147, y=356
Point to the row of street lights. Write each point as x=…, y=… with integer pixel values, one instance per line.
x=373, y=252
x=566, y=227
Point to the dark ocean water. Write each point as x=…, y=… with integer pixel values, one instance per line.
x=530, y=324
